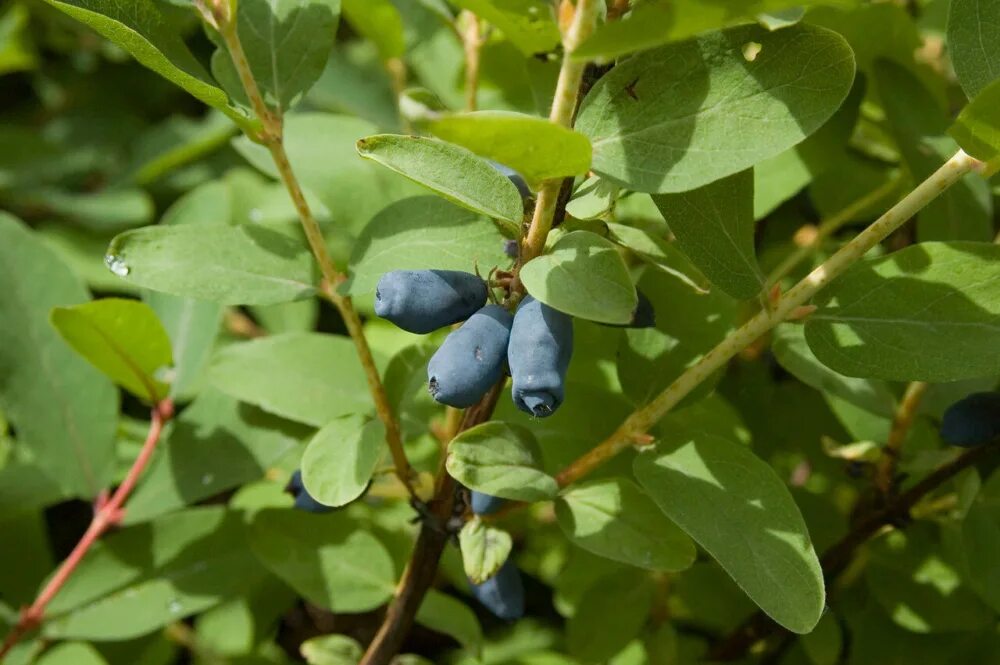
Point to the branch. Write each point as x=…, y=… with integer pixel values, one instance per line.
x=422, y=569
x=835, y=559
x=108, y=513
x=885, y=472
x=787, y=306
x=219, y=17
x=472, y=42
x=563, y=109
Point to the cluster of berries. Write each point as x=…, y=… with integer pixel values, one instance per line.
x=535, y=343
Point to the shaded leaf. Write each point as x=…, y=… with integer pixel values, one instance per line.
x=340, y=459
x=484, y=549
x=502, y=460
x=974, y=43
x=529, y=24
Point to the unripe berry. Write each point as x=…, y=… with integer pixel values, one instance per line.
x=471, y=359
x=421, y=301
x=503, y=594
x=541, y=344
x=973, y=420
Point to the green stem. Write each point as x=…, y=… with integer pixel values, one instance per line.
x=637, y=424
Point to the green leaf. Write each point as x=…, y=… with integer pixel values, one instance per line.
x=919, y=587
x=306, y=377
x=340, y=459
x=737, y=508
x=331, y=650
x=450, y=616
x=193, y=327
x=379, y=21
x=714, y=226
x=123, y=339
x=484, y=549
x=140, y=28
x=150, y=575
x=103, y=210
x=612, y=517
x=64, y=411
x=793, y=353
x=322, y=149
x=232, y=265
x=688, y=324
x=329, y=559
x=980, y=539
x=977, y=128
x=583, y=275
x=677, y=118
x=925, y=313
x=72, y=653
x=610, y=614
x=825, y=643
x=974, y=43
x=287, y=44
x=215, y=445
x=919, y=122
x=655, y=23
x=648, y=239
x=532, y=146
x=449, y=170
x=529, y=24
x=500, y=459
x=17, y=50
x=423, y=232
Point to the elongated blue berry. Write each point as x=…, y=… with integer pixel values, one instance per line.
x=973, y=420
x=541, y=344
x=420, y=301
x=485, y=504
x=303, y=499
x=471, y=359
x=503, y=594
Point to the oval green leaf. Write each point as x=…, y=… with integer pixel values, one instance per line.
x=123, y=339
x=714, y=227
x=232, y=265
x=500, y=459
x=683, y=115
x=613, y=518
x=449, y=170
x=925, y=313
x=534, y=147
x=737, y=508
x=583, y=275
x=340, y=459
x=484, y=549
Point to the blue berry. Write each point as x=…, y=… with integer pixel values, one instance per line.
x=511, y=248
x=643, y=316
x=541, y=344
x=420, y=301
x=471, y=359
x=485, y=504
x=973, y=420
x=513, y=176
x=304, y=500
x=502, y=594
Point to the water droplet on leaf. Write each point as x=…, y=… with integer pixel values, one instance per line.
x=116, y=265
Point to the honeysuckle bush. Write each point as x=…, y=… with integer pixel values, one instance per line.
x=770, y=225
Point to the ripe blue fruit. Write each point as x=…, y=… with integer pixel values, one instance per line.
x=541, y=344
x=421, y=301
x=643, y=316
x=973, y=420
x=502, y=594
x=485, y=504
x=513, y=176
x=304, y=500
x=471, y=359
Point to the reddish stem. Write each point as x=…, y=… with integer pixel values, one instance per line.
x=108, y=513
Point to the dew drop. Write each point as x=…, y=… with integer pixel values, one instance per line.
x=116, y=265
x=175, y=607
x=256, y=215
x=207, y=479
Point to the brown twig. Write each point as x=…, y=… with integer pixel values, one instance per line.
x=422, y=569
x=759, y=626
x=107, y=513
x=906, y=412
